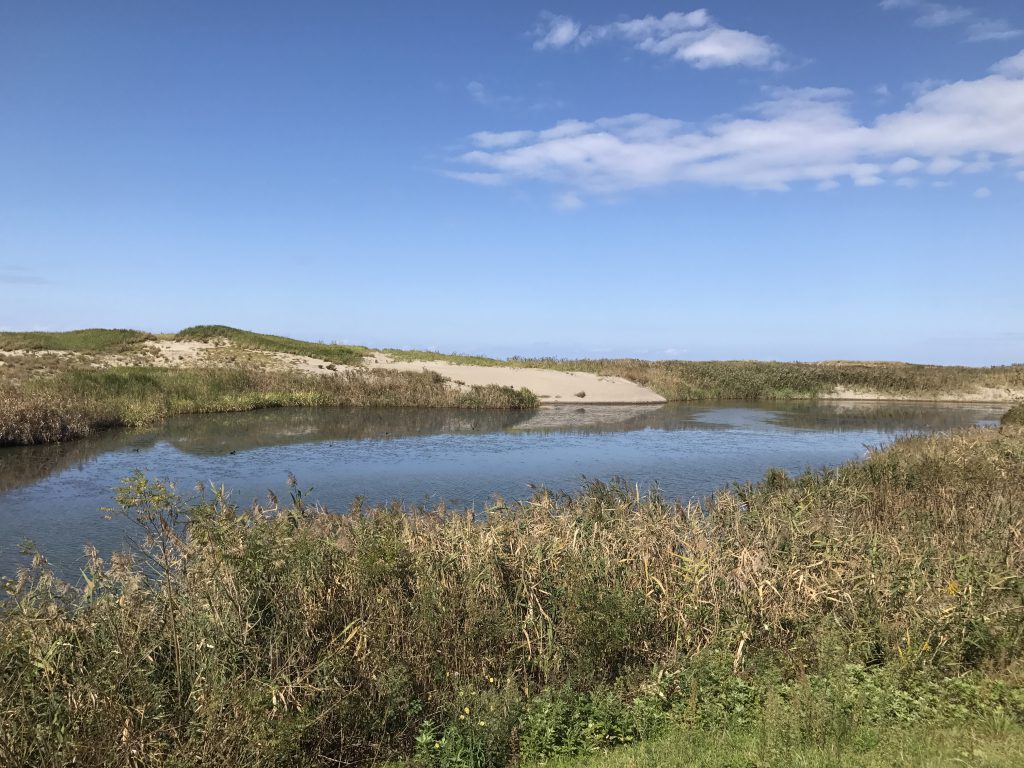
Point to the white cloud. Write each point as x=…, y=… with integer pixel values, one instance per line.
x=982, y=192
x=1012, y=66
x=906, y=181
x=940, y=166
x=693, y=37
x=478, y=93
x=794, y=136
x=905, y=165
x=981, y=164
x=991, y=29
x=568, y=201
x=554, y=31
x=979, y=29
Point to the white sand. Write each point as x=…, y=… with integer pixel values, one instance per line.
x=552, y=387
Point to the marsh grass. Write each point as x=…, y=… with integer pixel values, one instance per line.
x=888, y=593
x=332, y=353
x=680, y=380
x=87, y=340
x=756, y=380
x=78, y=402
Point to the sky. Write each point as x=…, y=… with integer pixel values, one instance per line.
x=793, y=180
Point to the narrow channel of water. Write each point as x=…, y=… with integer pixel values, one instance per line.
x=53, y=494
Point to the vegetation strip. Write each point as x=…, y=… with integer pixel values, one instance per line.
x=819, y=615
x=76, y=403
x=53, y=385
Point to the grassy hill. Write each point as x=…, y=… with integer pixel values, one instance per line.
x=334, y=353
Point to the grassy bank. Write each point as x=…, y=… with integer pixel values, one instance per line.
x=91, y=340
x=824, y=613
x=75, y=403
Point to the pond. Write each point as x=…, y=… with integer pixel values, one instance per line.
x=53, y=494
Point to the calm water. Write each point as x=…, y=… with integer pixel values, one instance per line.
x=53, y=494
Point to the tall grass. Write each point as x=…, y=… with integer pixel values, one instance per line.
x=334, y=353
x=887, y=591
x=77, y=403
x=87, y=340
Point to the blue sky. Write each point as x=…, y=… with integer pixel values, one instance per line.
x=785, y=180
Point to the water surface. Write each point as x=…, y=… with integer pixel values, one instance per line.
x=54, y=494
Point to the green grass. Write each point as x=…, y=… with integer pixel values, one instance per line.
x=852, y=614
x=93, y=340
x=76, y=403
x=457, y=359
x=332, y=353
x=983, y=744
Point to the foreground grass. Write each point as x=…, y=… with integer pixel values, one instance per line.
x=76, y=403
x=334, y=353
x=831, y=615
x=92, y=340
x=986, y=743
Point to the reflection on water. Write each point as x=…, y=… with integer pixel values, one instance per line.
x=52, y=493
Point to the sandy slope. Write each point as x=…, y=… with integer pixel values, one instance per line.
x=549, y=386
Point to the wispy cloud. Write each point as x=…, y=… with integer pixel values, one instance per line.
x=793, y=136
x=693, y=37
x=978, y=28
x=485, y=97
x=554, y=31
x=13, y=274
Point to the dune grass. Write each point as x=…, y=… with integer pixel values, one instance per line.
x=75, y=403
x=333, y=353
x=96, y=340
x=414, y=355
x=681, y=380
x=834, y=614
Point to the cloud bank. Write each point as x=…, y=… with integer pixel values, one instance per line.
x=806, y=135
x=694, y=37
